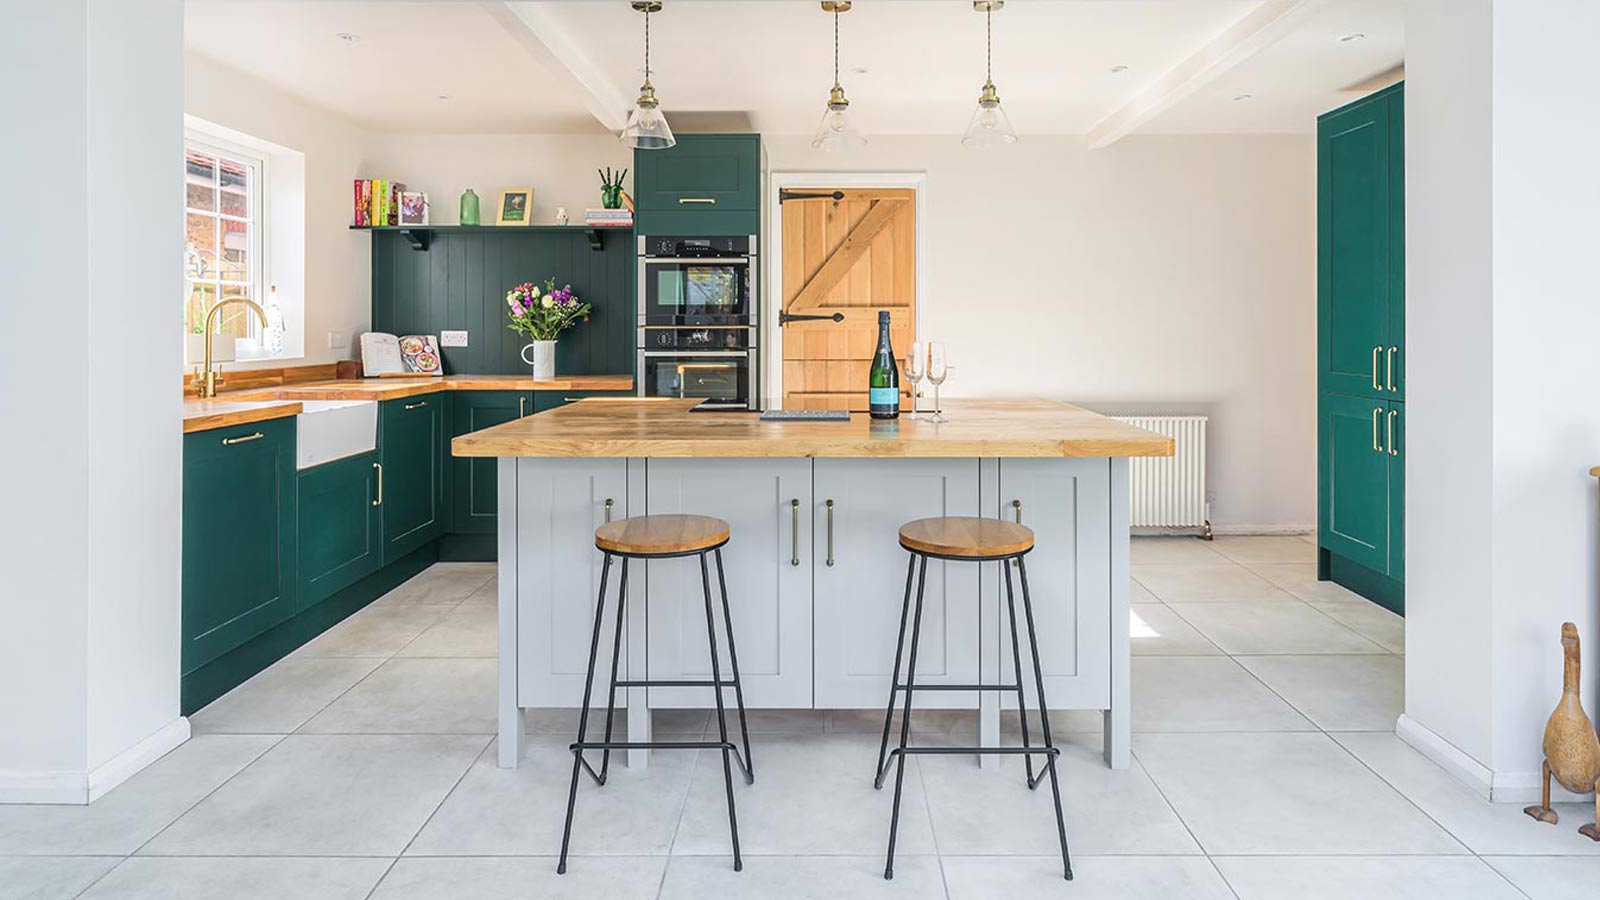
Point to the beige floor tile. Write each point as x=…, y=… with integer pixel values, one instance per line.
x=1300, y=579
x=1338, y=693
x=283, y=696
x=416, y=696
x=1173, y=551
x=521, y=878
x=156, y=878
x=1207, y=584
x=1258, y=628
x=1156, y=630
x=50, y=877
x=1198, y=693
x=801, y=878
x=1366, y=877
x=1377, y=624
x=1138, y=593
x=1548, y=877
x=1250, y=549
x=374, y=631
x=469, y=630
x=442, y=584
x=1095, y=878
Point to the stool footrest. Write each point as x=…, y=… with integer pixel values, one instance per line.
x=961, y=687
x=580, y=746
x=1017, y=751
x=689, y=682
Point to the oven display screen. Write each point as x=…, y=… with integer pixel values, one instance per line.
x=704, y=287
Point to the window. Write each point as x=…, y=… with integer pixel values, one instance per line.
x=224, y=250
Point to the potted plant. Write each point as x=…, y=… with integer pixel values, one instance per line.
x=542, y=317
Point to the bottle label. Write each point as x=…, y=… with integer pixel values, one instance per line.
x=883, y=396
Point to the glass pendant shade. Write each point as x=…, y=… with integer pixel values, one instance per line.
x=837, y=130
x=990, y=127
x=647, y=128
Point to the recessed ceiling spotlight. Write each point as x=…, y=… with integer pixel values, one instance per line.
x=1240, y=98
x=1352, y=37
x=859, y=70
x=348, y=38
x=442, y=97
x=1117, y=70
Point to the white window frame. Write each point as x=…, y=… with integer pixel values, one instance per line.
x=259, y=221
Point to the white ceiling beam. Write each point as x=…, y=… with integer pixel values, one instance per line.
x=547, y=40
x=1258, y=29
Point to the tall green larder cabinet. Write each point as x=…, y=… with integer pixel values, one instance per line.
x=1361, y=352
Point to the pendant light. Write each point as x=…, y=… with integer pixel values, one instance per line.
x=647, y=128
x=835, y=131
x=989, y=126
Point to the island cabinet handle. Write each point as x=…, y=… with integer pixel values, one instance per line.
x=1377, y=353
x=522, y=407
x=229, y=442
x=609, y=503
x=1377, y=442
x=709, y=201
x=379, y=500
x=417, y=405
x=794, y=532
x=830, y=532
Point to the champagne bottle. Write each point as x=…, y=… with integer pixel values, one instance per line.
x=884, y=378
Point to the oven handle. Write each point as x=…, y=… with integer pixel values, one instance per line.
x=726, y=354
x=726, y=260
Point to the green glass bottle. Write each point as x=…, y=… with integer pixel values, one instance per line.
x=469, y=207
x=883, y=395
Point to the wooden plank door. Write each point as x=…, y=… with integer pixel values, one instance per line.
x=847, y=257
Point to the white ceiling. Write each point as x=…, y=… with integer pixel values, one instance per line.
x=549, y=66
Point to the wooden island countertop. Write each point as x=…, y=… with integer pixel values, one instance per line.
x=664, y=427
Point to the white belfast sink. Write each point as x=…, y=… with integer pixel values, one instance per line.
x=327, y=430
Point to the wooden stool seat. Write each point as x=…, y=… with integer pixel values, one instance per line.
x=661, y=535
x=967, y=537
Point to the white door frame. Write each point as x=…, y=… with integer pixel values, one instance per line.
x=772, y=304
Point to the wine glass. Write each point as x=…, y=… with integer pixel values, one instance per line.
x=938, y=369
x=916, y=370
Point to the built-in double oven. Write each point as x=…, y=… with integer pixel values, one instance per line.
x=697, y=319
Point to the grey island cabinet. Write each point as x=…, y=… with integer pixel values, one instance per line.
x=815, y=572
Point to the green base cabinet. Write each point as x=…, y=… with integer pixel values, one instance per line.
x=340, y=533
x=1362, y=480
x=474, y=496
x=238, y=536
x=413, y=443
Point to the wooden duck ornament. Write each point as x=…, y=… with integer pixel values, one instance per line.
x=1571, y=749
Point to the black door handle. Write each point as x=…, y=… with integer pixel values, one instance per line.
x=785, y=318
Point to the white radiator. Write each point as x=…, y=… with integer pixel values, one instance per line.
x=1170, y=491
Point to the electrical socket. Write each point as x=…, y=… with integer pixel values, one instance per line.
x=337, y=340
x=452, y=338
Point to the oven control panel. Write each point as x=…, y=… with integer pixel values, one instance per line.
x=696, y=338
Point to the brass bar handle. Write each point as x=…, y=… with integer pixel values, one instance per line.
x=570, y=399
x=830, y=533
x=1389, y=369
x=229, y=442
x=417, y=405
x=1392, y=414
x=379, y=500
x=1016, y=510
x=709, y=201
x=1377, y=414
x=609, y=503
x=794, y=532
x=522, y=407
x=1377, y=352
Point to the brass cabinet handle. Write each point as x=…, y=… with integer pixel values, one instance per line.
x=1389, y=369
x=522, y=407
x=229, y=442
x=416, y=405
x=1392, y=414
x=379, y=500
x=570, y=399
x=609, y=503
x=1376, y=353
x=794, y=532
x=709, y=201
x=830, y=532
x=1377, y=413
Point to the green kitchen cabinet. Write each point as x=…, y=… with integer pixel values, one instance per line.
x=704, y=172
x=1395, y=441
x=238, y=536
x=1361, y=247
x=341, y=526
x=1354, y=463
x=473, y=493
x=543, y=400
x=412, y=475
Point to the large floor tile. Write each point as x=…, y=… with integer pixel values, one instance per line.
x=1174, y=693
x=991, y=811
x=1255, y=628
x=50, y=877
x=469, y=630
x=923, y=721
x=1095, y=878
x=1300, y=579
x=333, y=795
x=1207, y=583
x=1338, y=693
x=520, y=812
x=1158, y=631
x=283, y=696
x=416, y=696
x=1273, y=548
x=521, y=878
x=1138, y=593
x=1372, y=621
x=562, y=722
x=182, y=878
x=1146, y=551
x=124, y=819
x=812, y=794
x=442, y=584
x=1284, y=794
x=1366, y=877
x=1550, y=877
x=379, y=631
x=1487, y=828
x=801, y=878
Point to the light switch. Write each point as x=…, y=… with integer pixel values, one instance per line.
x=337, y=340
x=452, y=338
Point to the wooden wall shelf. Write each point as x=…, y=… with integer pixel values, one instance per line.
x=420, y=235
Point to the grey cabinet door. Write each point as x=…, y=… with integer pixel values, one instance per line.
x=1067, y=503
x=768, y=562
x=560, y=502
x=858, y=598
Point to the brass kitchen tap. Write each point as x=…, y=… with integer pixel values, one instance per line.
x=208, y=379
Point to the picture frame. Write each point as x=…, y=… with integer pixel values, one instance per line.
x=515, y=207
x=413, y=208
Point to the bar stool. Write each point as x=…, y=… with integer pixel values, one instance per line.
x=661, y=537
x=967, y=539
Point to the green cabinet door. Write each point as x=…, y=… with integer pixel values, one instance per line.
x=238, y=536
x=340, y=534
x=412, y=454
x=1395, y=353
x=1353, y=510
x=1355, y=272
x=701, y=173
x=543, y=400
x=475, y=479
x=1395, y=441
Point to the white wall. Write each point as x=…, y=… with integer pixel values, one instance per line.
x=334, y=262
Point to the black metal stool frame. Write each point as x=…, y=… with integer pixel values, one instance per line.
x=717, y=683
x=897, y=756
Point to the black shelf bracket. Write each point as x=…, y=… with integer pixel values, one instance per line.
x=594, y=238
x=416, y=237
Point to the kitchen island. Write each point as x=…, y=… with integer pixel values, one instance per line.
x=815, y=571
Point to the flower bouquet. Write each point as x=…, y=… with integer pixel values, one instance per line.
x=541, y=317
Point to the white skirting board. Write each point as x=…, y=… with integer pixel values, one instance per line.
x=86, y=787
x=1498, y=787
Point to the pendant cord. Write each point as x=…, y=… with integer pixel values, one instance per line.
x=647, y=46
x=836, y=47
x=988, y=45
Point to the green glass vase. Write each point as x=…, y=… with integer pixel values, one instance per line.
x=469, y=207
x=611, y=196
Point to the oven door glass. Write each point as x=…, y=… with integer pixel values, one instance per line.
x=690, y=292
x=719, y=379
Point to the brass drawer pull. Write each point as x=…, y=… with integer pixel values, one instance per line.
x=571, y=399
x=379, y=500
x=522, y=407
x=1377, y=353
x=229, y=442
x=417, y=405
x=1389, y=369
x=1392, y=414
x=830, y=532
x=1377, y=445
x=609, y=503
x=794, y=532
x=709, y=201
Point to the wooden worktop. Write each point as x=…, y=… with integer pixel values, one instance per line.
x=396, y=388
x=651, y=427
x=204, y=415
